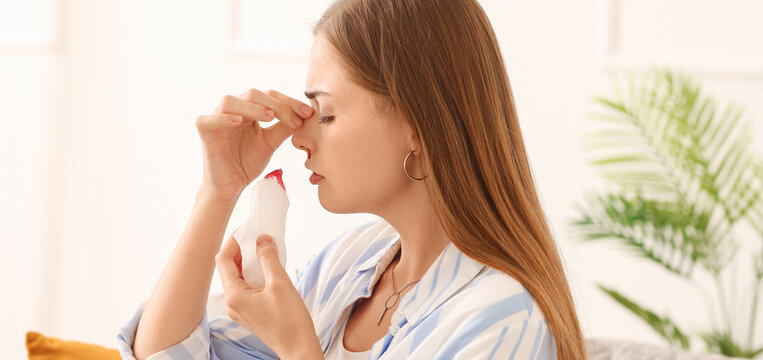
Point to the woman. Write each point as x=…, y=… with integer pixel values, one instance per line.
x=412, y=120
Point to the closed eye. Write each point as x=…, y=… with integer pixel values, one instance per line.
x=325, y=119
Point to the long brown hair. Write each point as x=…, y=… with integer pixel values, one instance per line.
x=439, y=63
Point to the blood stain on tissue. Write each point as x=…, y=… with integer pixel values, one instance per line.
x=277, y=174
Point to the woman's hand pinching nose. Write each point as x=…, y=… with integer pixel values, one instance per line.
x=296, y=120
x=236, y=152
x=305, y=113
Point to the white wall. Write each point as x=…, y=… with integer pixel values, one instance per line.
x=101, y=157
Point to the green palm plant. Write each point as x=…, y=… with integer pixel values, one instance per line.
x=683, y=178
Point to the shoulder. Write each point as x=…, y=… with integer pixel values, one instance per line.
x=356, y=245
x=493, y=315
x=353, y=245
x=362, y=241
x=490, y=301
x=500, y=294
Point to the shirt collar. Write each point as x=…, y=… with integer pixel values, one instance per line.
x=450, y=272
x=383, y=256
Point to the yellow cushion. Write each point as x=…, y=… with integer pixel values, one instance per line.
x=41, y=347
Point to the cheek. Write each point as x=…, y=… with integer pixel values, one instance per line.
x=364, y=174
x=371, y=162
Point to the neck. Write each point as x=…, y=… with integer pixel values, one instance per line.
x=422, y=238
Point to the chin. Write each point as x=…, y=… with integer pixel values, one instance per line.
x=333, y=204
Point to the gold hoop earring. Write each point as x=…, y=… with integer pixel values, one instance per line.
x=405, y=167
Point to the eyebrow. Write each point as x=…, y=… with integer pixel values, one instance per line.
x=312, y=94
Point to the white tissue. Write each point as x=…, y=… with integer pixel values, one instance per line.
x=267, y=216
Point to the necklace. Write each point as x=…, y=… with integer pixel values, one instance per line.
x=395, y=293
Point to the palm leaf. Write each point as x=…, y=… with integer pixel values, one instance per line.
x=685, y=175
x=665, y=232
x=682, y=147
x=661, y=324
x=721, y=342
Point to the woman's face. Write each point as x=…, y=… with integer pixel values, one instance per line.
x=360, y=149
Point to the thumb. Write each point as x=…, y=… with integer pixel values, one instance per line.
x=279, y=132
x=267, y=251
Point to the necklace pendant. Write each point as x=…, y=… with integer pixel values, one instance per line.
x=386, y=302
x=381, y=317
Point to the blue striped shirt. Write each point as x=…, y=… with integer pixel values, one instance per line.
x=460, y=309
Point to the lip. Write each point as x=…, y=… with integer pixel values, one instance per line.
x=315, y=178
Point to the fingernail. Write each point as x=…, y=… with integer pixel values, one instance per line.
x=269, y=113
x=306, y=110
x=264, y=239
x=235, y=119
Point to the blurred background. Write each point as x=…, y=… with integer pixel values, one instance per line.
x=101, y=159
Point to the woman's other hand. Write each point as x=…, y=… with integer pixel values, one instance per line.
x=275, y=313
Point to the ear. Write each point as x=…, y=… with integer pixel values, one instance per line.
x=388, y=110
x=402, y=122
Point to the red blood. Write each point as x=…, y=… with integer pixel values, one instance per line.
x=277, y=174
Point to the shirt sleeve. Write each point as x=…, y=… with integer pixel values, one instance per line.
x=222, y=337
x=529, y=339
x=306, y=279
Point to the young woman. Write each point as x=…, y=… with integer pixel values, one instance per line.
x=412, y=120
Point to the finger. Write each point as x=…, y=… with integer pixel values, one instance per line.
x=217, y=121
x=305, y=111
x=277, y=134
x=267, y=251
x=239, y=105
x=282, y=110
x=230, y=276
x=230, y=252
x=237, y=260
x=234, y=287
x=230, y=247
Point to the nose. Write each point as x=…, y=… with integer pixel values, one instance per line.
x=303, y=138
